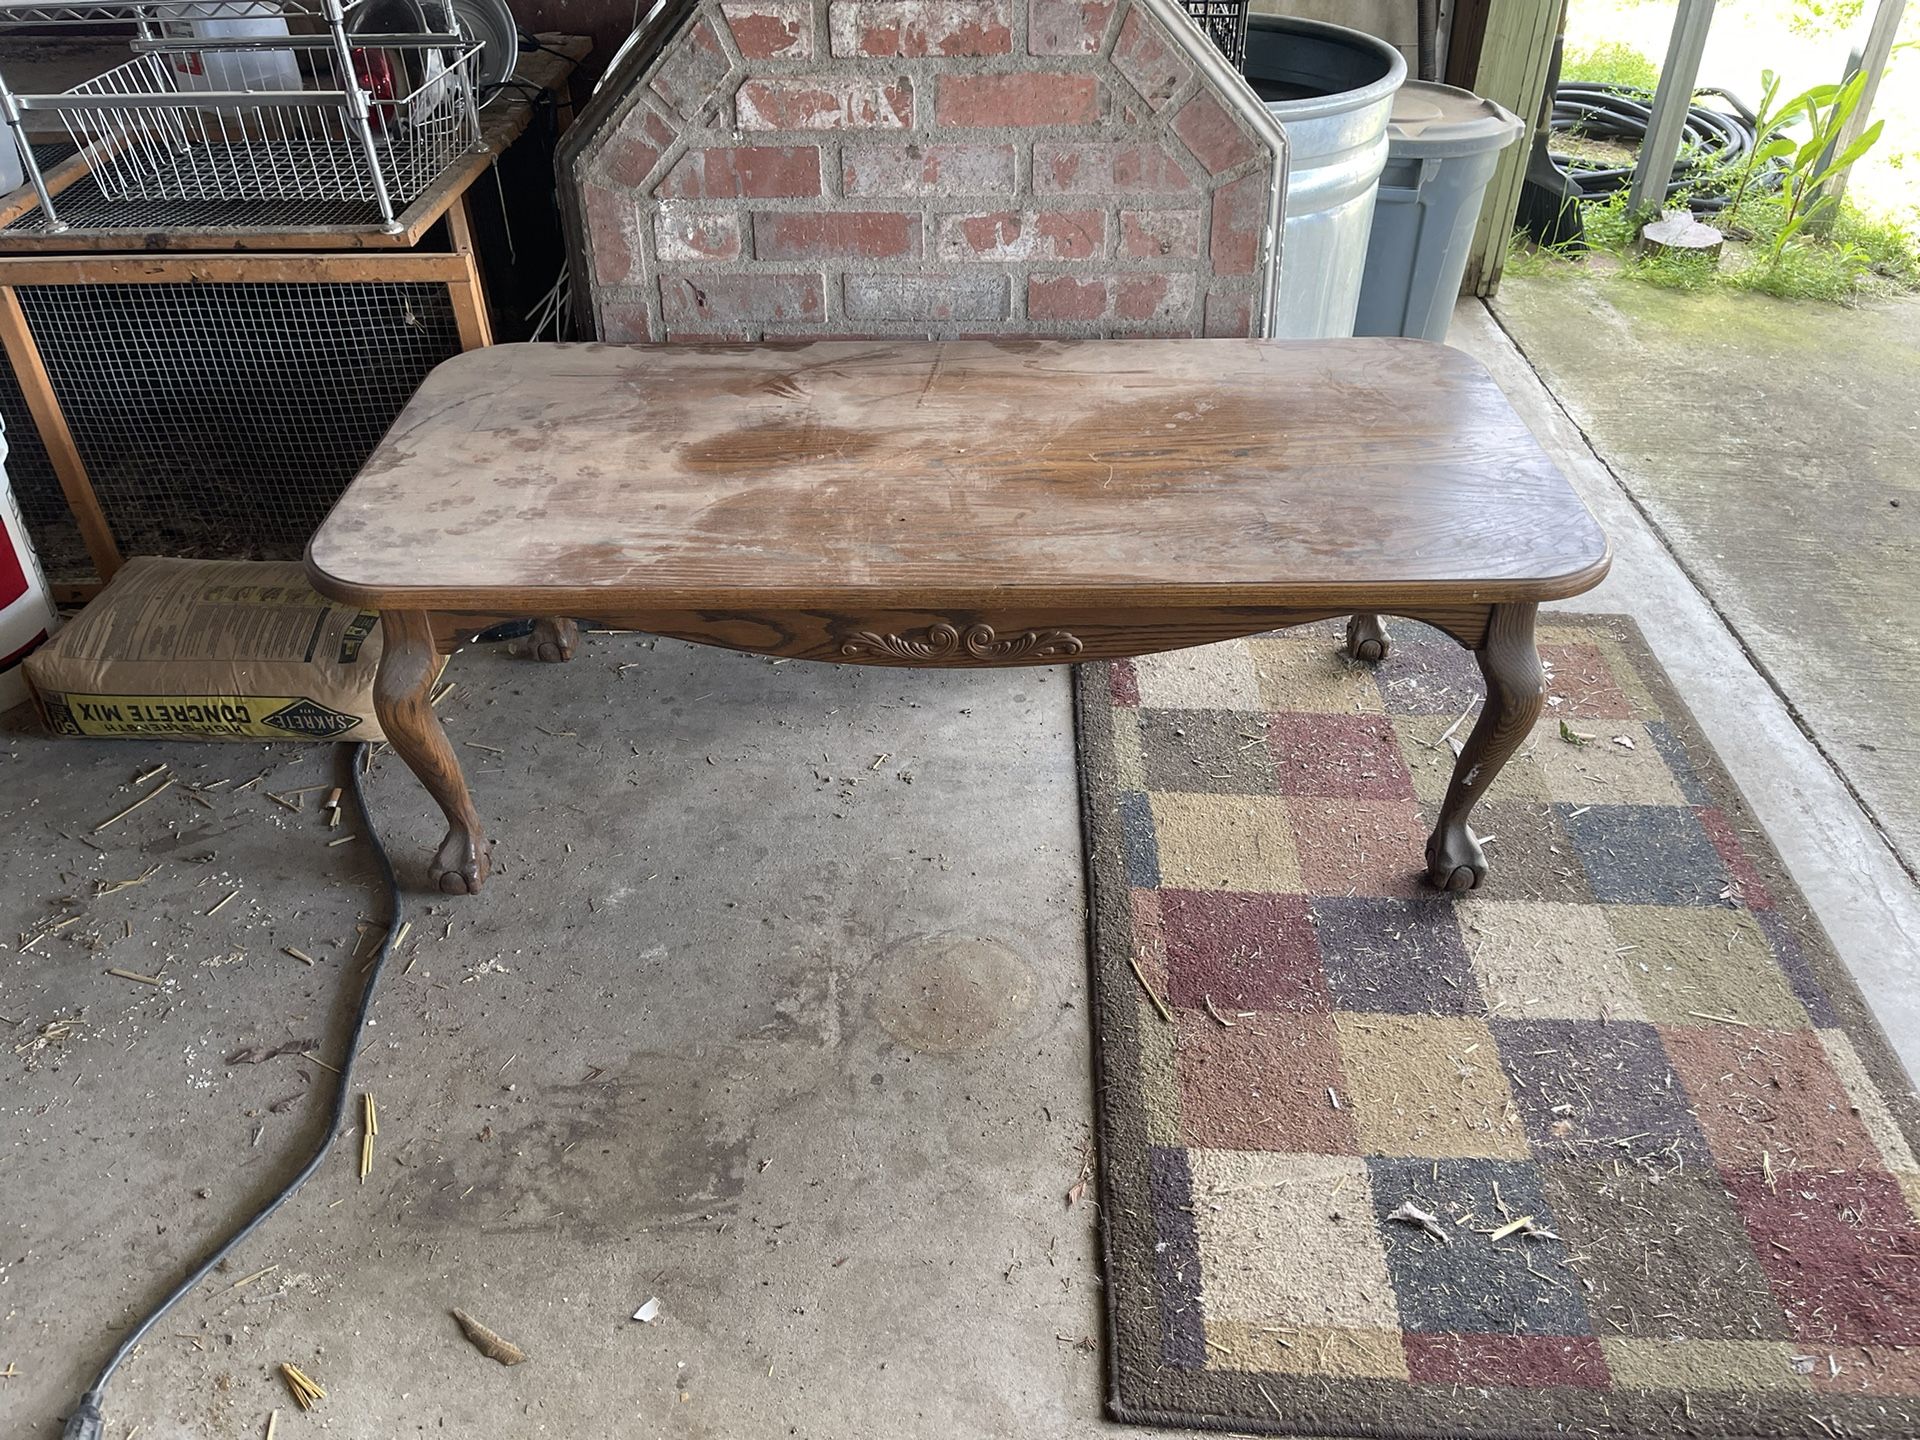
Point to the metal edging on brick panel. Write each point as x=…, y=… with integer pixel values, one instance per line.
x=1208, y=57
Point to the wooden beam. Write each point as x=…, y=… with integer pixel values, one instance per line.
x=1671, y=101
x=1515, y=56
x=36, y=386
x=468, y=295
x=231, y=269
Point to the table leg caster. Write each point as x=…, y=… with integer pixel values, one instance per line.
x=554, y=639
x=1367, y=639
x=462, y=863
x=1455, y=860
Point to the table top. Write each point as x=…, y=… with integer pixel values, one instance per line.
x=583, y=479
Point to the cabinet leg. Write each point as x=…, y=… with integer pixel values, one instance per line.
x=1367, y=639
x=1516, y=690
x=401, y=697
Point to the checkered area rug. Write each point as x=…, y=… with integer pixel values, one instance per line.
x=1610, y=1147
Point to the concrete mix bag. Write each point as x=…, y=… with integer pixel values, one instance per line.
x=211, y=650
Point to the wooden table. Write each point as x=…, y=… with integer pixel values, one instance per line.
x=959, y=504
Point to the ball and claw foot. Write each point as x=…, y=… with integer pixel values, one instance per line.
x=461, y=864
x=553, y=639
x=1367, y=639
x=1455, y=860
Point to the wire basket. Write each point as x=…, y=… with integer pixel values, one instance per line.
x=1225, y=23
x=157, y=128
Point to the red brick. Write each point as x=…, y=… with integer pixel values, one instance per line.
x=1034, y=98
x=729, y=304
x=836, y=235
x=771, y=29
x=1012, y=235
x=627, y=322
x=679, y=236
x=1229, y=313
x=695, y=68
x=1239, y=217
x=916, y=169
x=1066, y=297
x=1159, y=234
x=1214, y=136
x=1147, y=56
x=610, y=221
x=755, y=172
x=636, y=148
x=884, y=29
x=1106, y=167
x=1067, y=27
x=824, y=102
x=1152, y=299
x=919, y=299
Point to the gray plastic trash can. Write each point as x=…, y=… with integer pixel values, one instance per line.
x=1442, y=146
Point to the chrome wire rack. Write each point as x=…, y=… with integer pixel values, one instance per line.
x=201, y=113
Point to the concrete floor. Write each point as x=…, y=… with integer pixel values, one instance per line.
x=748, y=1021
x=1801, y=518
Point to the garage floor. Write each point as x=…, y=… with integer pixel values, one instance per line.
x=775, y=1010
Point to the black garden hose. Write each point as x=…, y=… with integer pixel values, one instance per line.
x=1714, y=143
x=87, y=1421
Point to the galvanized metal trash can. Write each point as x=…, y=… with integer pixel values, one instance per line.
x=1332, y=90
x=1442, y=146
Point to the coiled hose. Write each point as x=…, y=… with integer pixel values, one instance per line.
x=1713, y=143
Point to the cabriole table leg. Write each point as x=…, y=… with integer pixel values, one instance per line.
x=1516, y=690
x=402, y=698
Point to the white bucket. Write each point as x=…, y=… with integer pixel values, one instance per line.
x=232, y=69
x=26, y=614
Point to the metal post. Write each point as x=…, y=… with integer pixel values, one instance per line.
x=1873, y=60
x=1670, y=105
x=359, y=117
x=17, y=125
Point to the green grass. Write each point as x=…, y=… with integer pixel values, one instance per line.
x=1610, y=63
x=1860, y=256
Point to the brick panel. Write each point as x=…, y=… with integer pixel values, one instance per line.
x=1147, y=56
x=790, y=168
x=825, y=102
x=922, y=298
x=686, y=237
x=725, y=303
x=836, y=235
x=884, y=29
x=1011, y=235
x=898, y=168
x=689, y=85
x=771, y=29
x=1067, y=27
x=752, y=172
x=1034, y=98
x=1112, y=167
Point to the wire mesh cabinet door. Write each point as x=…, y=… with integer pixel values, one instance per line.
x=188, y=415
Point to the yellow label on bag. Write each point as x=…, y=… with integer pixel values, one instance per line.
x=264, y=717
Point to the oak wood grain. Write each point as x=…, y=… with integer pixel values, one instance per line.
x=1005, y=476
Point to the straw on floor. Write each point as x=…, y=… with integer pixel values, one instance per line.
x=1609, y=1148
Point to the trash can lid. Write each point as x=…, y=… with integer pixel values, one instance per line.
x=1436, y=121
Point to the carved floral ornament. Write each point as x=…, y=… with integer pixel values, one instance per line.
x=951, y=642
